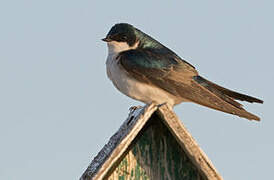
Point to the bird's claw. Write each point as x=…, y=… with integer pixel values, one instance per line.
x=133, y=108
x=159, y=105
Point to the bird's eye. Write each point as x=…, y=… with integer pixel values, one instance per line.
x=124, y=38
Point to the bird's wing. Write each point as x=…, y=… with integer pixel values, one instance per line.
x=159, y=67
x=166, y=70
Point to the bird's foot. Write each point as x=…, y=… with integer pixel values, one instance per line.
x=159, y=105
x=133, y=108
x=131, y=116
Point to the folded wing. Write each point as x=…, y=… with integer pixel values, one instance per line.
x=166, y=70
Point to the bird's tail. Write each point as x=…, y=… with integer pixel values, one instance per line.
x=230, y=105
x=232, y=94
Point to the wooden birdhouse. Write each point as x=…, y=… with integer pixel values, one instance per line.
x=151, y=144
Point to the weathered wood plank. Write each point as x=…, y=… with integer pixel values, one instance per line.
x=160, y=150
x=156, y=155
x=187, y=142
x=118, y=143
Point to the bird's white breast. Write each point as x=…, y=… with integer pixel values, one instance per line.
x=130, y=86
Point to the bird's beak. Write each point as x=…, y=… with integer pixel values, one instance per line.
x=106, y=39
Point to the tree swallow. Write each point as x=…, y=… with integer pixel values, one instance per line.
x=144, y=69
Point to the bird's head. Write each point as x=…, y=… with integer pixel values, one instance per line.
x=121, y=37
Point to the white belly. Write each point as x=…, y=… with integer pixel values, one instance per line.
x=136, y=89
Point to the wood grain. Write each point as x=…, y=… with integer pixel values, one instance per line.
x=151, y=144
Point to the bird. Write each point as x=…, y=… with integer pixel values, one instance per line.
x=142, y=68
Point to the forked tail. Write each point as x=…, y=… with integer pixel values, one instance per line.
x=222, y=99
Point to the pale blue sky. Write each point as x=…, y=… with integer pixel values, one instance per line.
x=58, y=109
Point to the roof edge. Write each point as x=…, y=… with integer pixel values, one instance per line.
x=121, y=140
x=187, y=142
x=118, y=143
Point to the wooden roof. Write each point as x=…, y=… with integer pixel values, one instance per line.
x=118, y=144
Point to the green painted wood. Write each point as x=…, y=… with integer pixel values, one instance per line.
x=156, y=155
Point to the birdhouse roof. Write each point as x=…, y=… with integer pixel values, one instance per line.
x=119, y=143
